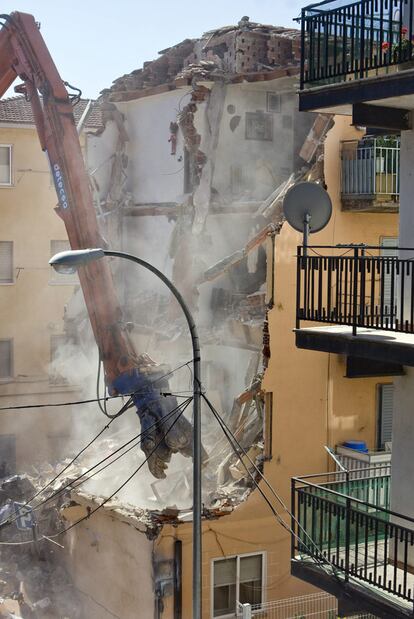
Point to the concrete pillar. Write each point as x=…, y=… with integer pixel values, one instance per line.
x=407, y=189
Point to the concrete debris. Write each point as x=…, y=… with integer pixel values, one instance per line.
x=316, y=136
x=202, y=193
x=33, y=581
x=218, y=269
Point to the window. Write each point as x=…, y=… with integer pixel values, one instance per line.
x=237, y=579
x=236, y=179
x=7, y=455
x=274, y=102
x=61, y=278
x=259, y=126
x=6, y=262
x=385, y=410
x=5, y=164
x=268, y=425
x=57, y=342
x=6, y=359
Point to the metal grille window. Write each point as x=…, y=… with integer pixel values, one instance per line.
x=6, y=262
x=6, y=359
x=237, y=579
x=386, y=407
x=61, y=278
x=5, y=164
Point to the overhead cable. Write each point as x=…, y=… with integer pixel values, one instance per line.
x=94, y=400
x=137, y=438
x=121, y=487
x=232, y=441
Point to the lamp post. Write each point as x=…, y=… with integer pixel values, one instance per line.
x=68, y=262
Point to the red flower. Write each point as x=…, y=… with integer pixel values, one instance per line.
x=385, y=46
x=404, y=30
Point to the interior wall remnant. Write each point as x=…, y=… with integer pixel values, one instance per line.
x=202, y=194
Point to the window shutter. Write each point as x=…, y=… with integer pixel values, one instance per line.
x=386, y=410
x=225, y=572
x=6, y=262
x=5, y=359
x=250, y=568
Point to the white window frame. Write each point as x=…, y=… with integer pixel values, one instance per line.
x=8, y=379
x=10, y=183
x=238, y=557
x=13, y=279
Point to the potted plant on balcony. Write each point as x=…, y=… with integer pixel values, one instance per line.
x=401, y=52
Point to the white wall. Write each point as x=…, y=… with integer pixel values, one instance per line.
x=154, y=174
x=111, y=567
x=406, y=189
x=402, y=496
x=261, y=162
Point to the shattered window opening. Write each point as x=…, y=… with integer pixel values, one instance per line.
x=7, y=455
x=57, y=342
x=268, y=426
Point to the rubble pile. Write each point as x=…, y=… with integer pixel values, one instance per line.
x=34, y=583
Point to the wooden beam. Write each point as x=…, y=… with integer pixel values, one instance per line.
x=166, y=209
x=381, y=117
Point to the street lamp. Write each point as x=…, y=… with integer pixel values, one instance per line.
x=68, y=262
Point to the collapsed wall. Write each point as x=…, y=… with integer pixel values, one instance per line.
x=214, y=108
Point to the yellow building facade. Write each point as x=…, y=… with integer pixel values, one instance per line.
x=313, y=405
x=32, y=297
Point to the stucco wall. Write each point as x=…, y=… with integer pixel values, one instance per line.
x=31, y=309
x=110, y=562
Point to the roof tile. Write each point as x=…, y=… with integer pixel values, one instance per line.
x=18, y=110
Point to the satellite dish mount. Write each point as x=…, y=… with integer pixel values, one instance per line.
x=307, y=208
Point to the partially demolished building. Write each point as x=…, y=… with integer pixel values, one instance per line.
x=189, y=171
x=198, y=149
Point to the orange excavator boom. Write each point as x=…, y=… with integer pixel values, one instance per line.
x=24, y=54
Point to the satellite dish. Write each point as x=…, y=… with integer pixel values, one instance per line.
x=307, y=208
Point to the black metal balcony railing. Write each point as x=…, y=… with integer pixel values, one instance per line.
x=360, y=539
x=342, y=39
x=356, y=286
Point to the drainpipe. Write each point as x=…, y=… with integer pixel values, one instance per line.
x=178, y=568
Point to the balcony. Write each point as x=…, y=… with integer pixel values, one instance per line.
x=348, y=542
x=356, y=51
x=365, y=296
x=370, y=174
x=376, y=460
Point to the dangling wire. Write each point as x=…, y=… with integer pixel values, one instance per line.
x=129, y=403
